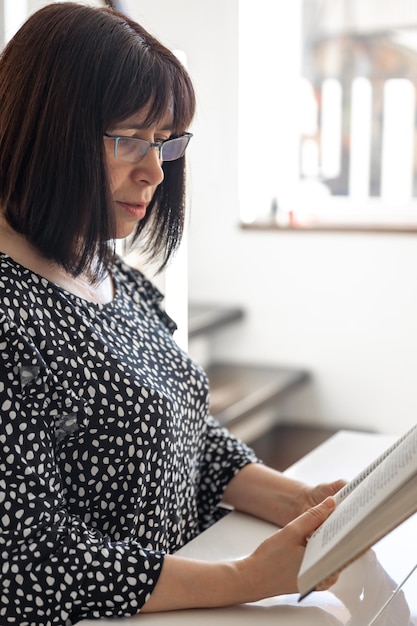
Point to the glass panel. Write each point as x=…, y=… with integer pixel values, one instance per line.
x=360, y=60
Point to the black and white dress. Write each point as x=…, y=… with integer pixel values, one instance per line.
x=108, y=456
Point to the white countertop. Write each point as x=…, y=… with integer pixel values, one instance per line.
x=363, y=587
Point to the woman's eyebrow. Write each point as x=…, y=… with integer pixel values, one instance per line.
x=136, y=126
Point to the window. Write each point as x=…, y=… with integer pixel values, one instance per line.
x=352, y=118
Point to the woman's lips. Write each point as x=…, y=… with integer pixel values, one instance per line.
x=138, y=211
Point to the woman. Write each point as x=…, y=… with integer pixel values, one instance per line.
x=110, y=461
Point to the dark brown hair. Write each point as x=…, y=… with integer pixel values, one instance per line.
x=71, y=73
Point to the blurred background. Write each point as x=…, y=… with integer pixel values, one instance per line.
x=297, y=274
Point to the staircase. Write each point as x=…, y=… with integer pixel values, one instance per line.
x=244, y=397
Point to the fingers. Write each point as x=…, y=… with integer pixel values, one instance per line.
x=320, y=492
x=336, y=486
x=308, y=522
x=276, y=561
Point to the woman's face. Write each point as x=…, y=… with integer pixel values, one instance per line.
x=133, y=184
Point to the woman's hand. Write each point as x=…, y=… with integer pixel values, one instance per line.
x=271, y=570
x=273, y=496
x=310, y=496
x=276, y=562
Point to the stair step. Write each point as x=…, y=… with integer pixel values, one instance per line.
x=204, y=318
x=238, y=390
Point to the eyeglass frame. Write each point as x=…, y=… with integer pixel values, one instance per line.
x=151, y=144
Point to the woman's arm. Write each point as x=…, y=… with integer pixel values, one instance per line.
x=272, y=496
x=232, y=473
x=270, y=570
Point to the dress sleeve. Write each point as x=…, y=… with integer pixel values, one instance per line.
x=224, y=456
x=55, y=570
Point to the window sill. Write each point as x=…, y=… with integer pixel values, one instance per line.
x=324, y=226
x=340, y=214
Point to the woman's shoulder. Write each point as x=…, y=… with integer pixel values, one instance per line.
x=14, y=279
x=19, y=296
x=135, y=280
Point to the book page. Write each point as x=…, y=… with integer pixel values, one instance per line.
x=352, y=484
x=393, y=471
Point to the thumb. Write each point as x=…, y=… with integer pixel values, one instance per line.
x=308, y=522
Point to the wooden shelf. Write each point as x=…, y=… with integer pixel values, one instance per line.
x=238, y=390
x=203, y=319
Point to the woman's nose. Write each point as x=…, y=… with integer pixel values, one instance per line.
x=149, y=167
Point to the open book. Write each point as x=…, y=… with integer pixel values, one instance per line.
x=380, y=498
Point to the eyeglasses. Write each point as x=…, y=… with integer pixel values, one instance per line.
x=133, y=149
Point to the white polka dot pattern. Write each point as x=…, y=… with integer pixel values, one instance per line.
x=108, y=456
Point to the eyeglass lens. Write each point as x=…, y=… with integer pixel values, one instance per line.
x=134, y=149
x=174, y=148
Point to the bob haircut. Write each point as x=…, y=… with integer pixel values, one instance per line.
x=70, y=74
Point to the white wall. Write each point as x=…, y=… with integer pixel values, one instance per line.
x=343, y=306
